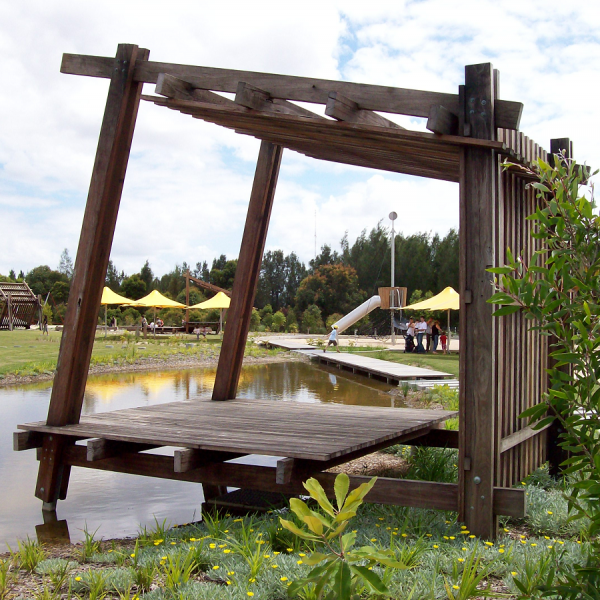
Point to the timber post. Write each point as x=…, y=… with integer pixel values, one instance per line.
x=478, y=205
x=247, y=272
x=99, y=222
x=10, y=313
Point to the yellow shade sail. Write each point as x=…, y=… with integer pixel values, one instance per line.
x=157, y=300
x=219, y=300
x=110, y=297
x=447, y=299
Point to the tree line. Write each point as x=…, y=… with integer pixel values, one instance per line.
x=291, y=296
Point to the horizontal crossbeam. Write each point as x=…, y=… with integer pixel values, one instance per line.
x=403, y=492
x=387, y=99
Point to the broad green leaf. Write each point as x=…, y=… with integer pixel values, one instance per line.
x=337, y=530
x=341, y=485
x=345, y=515
x=507, y=310
x=371, y=579
x=342, y=582
x=314, y=524
x=316, y=558
x=348, y=540
x=297, y=531
x=359, y=493
x=299, y=507
x=317, y=492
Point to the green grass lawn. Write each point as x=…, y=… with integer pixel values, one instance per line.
x=448, y=363
x=27, y=352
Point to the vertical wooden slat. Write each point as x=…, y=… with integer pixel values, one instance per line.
x=248, y=269
x=478, y=190
x=90, y=266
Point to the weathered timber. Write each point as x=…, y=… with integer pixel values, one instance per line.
x=518, y=437
x=298, y=430
x=188, y=459
x=92, y=259
x=478, y=189
x=173, y=87
x=403, y=492
x=414, y=103
x=248, y=269
x=27, y=440
x=252, y=97
x=442, y=121
x=101, y=448
x=343, y=109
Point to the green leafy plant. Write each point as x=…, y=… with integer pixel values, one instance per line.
x=143, y=575
x=252, y=551
x=467, y=581
x=341, y=568
x=177, y=569
x=154, y=534
x=7, y=577
x=90, y=545
x=29, y=554
x=559, y=291
x=534, y=574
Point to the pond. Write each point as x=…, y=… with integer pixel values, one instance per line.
x=114, y=503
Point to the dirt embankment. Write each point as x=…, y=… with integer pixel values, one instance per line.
x=152, y=363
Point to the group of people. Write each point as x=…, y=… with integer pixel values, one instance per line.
x=430, y=330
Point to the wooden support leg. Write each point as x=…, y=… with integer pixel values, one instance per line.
x=478, y=196
x=90, y=266
x=248, y=269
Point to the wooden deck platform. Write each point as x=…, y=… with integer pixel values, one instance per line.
x=212, y=440
x=319, y=432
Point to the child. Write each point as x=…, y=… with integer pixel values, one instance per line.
x=443, y=340
x=333, y=339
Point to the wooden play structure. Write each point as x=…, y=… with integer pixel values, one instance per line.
x=502, y=364
x=19, y=306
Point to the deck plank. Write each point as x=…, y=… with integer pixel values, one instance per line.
x=273, y=428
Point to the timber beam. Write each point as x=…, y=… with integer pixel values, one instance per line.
x=442, y=121
x=188, y=459
x=343, y=109
x=402, y=492
x=415, y=103
x=179, y=89
x=100, y=448
x=254, y=98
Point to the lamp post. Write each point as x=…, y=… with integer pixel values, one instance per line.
x=393, y=216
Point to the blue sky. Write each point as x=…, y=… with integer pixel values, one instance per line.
x=190, y=181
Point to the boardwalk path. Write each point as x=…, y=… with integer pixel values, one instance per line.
x=357, y=363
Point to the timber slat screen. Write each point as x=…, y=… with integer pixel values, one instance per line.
x=502, y=364
x=19, y=306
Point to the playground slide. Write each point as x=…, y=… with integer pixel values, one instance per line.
x=358, y=313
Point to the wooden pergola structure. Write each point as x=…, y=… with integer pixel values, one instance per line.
x=501, y=362
x=19, y=306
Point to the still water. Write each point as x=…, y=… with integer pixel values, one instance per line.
x=117, y=504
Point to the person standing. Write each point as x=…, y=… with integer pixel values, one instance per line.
x=435, y=335
x=333, y=339
x=145, y=327
x=420, y=328
x=409, y=343
x=45, y=325
x=428, y=333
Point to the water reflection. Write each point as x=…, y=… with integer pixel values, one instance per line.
x=118, y=503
